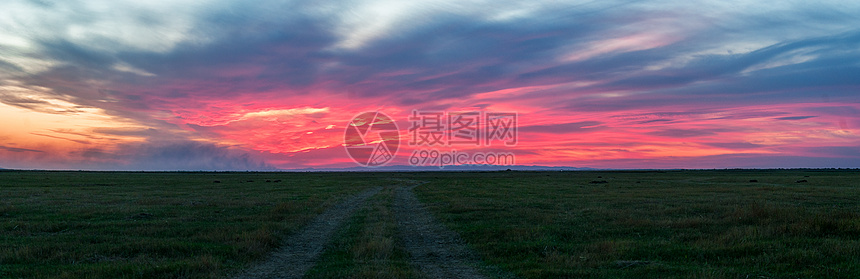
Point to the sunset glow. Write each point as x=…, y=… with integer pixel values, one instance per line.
x=223, y=85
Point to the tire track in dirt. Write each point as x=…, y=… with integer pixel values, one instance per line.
x=299, y=252
x=436, y=251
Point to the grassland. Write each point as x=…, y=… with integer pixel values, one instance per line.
x=677, y=224
x=671, y=224
x=154, y=225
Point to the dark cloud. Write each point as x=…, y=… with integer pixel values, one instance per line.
x=80, y=57
x=74, y=133
x=681, y=133
x=62, y=138
x=739, y=160
x=34, y=104
x=10, y=67
x=734, y=145
x=15, y=149
x=566, y=128
x=187, y=155
x=140, y=132
x=795, y=117
x=721, y=80
x=24, y=102
x=664, y=121
x=837, y=110
x=834, y=151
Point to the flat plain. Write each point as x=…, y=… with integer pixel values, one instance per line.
x=571, y=224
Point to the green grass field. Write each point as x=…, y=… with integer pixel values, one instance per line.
x=681, y=224
x=154, y=225
x=622, y=224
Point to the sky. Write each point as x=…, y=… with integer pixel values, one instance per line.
x=263, y=85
